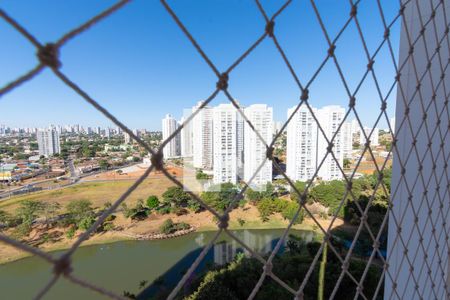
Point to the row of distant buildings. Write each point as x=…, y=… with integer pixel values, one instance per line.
x=219, y=139
x=105, y=132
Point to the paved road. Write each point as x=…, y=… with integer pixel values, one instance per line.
x=75, y=179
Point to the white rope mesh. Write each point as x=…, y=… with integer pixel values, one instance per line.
x=48, y=57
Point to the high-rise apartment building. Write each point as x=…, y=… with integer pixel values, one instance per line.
x=202, y=137
x=373, y=138
x=330, y=117
x=301, y=150
x=347, y=139
x=225, y=144
x=172, y=148
x=261, y=116
x=240, y=145
x=127, y=138
x=186, y=139
x=307, y=146
x=48, y=142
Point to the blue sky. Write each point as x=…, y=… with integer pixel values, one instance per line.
x=139, y=65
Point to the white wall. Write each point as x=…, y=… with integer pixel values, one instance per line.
x=430, y=255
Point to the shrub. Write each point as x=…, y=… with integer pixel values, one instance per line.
x=175, y=196
x=71, y=232
x=265, y=208
x=290, y=210
x=164, y=210
x=139, y=212
x=167, y=227
x=221, y=199
x=110, y=218
x=194, y=206
x=86, y=223
x=179, y=211
x=108, y=226
x=182, y=226
x=279, y=205
x=241, y=222
x=201, y=176
x=152, y=202
x=5, y=219
x=300, y=186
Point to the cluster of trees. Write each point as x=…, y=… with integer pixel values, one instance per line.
x=331, y=193
x=200, y=175
x=27, y=214
x=174, y=200
x=268, y=202
x=141, y=210
x=77, y=215
x=168, y=226
x=220, y=197
x=236, y=279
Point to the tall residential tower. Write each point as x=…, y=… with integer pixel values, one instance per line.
x=172, y=148
x=261, y=116
x=48, y=142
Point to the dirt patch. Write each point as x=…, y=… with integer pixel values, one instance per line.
x=136, y=172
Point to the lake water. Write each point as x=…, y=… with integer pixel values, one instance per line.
x=122, y=266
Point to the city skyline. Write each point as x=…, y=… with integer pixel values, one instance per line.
x=220, y=140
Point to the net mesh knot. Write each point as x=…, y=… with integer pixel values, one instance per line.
x=157, y=160
x=223, y=221
x=331, y=50
x=330, y=147
x=269, y=153
x=268, y=268
x=353, y=11
x=222, y=84
x=62, y=266
x=49, y=55
x=269, y=28
x=352, y=102
x=305, y=95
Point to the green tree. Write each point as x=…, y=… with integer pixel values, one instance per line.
x=167, y=227
x=200, y=175
x=139, y=212
x=152, y=202
x=5, y=219
x=290, y=210
x=80, y=212
x=300, y=186
x=29, y=211
x=330, y=194
x=50, y=211
x=267, y=192
x=175, y=197
x=253, y=196
x=194, y=205
x=104, y=164
x=87, y=151
x=223, y=198
x=346, y=163
x=265, y=208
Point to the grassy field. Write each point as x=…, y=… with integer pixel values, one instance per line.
x=97, y=192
